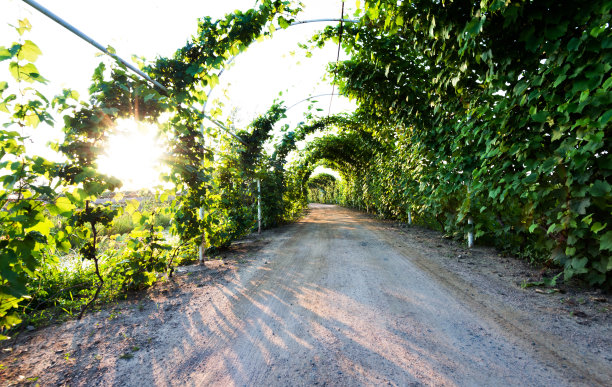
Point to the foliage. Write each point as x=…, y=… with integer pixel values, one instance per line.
x=25, y=180
x=48, y=208
x=323, y=188
x=499, y=111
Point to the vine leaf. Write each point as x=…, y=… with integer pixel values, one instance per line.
x=29, y=51
x=605, y=243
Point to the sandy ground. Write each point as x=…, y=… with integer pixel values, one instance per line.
x=338, y=298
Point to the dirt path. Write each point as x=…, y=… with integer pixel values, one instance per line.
x=336, y=299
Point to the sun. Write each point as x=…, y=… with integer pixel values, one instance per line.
x=133, y=155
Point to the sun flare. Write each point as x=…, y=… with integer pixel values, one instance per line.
x=133, y=155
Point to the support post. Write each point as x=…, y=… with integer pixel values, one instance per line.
x=409, y=218
x=258, y=206
x=471, y=233
x=201, y=247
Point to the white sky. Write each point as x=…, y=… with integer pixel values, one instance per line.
x=157, y=28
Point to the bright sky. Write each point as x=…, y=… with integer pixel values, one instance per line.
x=157, y=28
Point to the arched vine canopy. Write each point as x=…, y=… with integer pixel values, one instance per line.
x=494, y=111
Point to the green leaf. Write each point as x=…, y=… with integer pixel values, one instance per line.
x=600, y=188
x=29, y=51
x=44, y=227
x=580, y=206
x=136, y=217
x=573, y=44
x=64, y=205
x=579, y=263
x=533, y=227
x=556, y=30
x=559, y=79
x=5, y=54
x=132, y=206
x=475, y=25
x=28, y=73
x=584, y=95
x=605, y=242
x=597, y=30
x=597, y=227
x=65, y=246
x=24, y=25
x=605, y=117
x=282, y=22
x=10, y=320
x=540, y=116
x=531, y=178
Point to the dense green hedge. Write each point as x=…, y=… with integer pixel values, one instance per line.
x=499, y=111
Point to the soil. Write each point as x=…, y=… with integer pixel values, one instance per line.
x=338, y=298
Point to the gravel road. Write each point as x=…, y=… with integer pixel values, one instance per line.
x=333, y=304
x=336, y=300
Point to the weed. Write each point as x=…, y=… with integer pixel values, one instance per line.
x=114, y=314
x=550, y=282
x=67, y=356
x=162, y=219
x=121, y=225
x=126, y=356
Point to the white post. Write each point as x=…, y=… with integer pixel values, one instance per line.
x=471, y=233
x=258, y=206
x=201, y=247
x=409, y=218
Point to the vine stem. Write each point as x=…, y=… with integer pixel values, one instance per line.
x=95, y=259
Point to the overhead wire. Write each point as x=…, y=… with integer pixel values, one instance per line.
x=337, y=57
x=308, y=98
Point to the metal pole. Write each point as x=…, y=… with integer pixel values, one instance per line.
x=97, y=45
x=471, y=233
x=226, y=130
x=324, y=20
x=258, y=206
x=89, y=40
x=201, y=247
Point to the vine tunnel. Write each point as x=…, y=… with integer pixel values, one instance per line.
x=492, y=117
